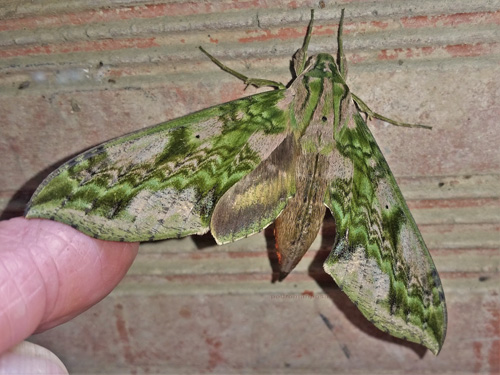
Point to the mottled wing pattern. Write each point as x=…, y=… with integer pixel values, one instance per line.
x=163, y=181
x=257, y=199
x=380, y=259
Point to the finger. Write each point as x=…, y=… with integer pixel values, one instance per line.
x=49, y=273
x=29, y=358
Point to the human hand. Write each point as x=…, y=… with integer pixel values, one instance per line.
x=50, y=273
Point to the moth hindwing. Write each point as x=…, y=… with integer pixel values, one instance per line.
x=281, y=156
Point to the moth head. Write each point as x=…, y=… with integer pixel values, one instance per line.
x=322, y=66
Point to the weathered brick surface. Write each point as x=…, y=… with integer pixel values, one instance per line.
x=73, y=74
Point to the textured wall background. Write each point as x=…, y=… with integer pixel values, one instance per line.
x=76, y=73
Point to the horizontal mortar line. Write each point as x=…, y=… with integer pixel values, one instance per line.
x=213, y=288
x=245, y=37
x=170, y=12
x=195, y=255
x=233, y=43
x=322, y=35
x=130, y=63
x=209, y=253
x=107, y=15
x=138, y=10
x=261, y=250
x=451, y=227
x=265, y=275
x=179, y=78
x=265, y=240
x=294, y=284
x=140, y=64
x=465, y=175
x=296, y=276
x=254, y=251
x=480, y=251
x=28, y=8
x=139, y=68
x=452, y=203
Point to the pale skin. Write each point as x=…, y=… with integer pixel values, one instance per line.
x=51, y=273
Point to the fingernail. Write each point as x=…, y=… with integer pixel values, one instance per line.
x=28, y=358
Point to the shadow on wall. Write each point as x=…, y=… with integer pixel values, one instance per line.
x=20, y=198
x=327, y=284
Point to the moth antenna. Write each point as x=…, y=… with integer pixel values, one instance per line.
x=300, y=57
x=341, y=60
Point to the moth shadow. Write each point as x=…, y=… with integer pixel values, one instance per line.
x=271, y=253
x=340, y=299
x=17, y=204
x=204, y=241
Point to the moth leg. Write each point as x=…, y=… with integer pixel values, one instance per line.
x=341, y=61
x=363, y=107
x=300, y=57
x=257, y=82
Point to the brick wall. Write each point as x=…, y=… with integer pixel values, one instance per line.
x=76, y=73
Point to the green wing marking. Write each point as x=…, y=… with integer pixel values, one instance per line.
x=380, y=259
x=163, y=181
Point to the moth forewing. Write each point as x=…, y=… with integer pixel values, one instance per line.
x=131, y=190
x=257, y=199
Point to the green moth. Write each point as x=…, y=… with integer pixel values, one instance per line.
x=282, y=156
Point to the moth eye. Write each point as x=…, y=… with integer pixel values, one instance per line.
x=386, y=207
x=324, y=118
x=197, y=136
